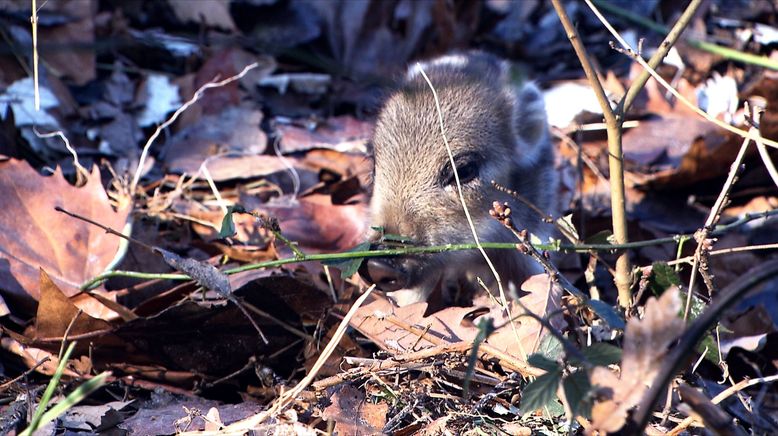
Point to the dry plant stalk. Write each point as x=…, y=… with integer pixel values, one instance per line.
x=614, y=119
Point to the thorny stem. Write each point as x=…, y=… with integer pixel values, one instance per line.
x=566, y=248
x=613, y=122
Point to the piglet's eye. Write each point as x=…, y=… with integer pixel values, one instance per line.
x=467, y=172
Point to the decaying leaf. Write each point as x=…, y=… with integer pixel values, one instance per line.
x=645, y=345
x=353, y=414
x=378, y=320
x=56, y=313
x=33, y=235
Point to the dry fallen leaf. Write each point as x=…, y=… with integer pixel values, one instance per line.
x=212, y=13
x=56, y=312
x=645, y=346
x=378, y=321
x=33, y=235
x=353, y=414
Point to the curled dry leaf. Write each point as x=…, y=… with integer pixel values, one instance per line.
x=383, y=322
x=353, y=414
x=33, y=235
x=56, y=312
x=645, y=346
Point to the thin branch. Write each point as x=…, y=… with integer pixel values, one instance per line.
x=723, y=395
x=725, y=52
x=722, y=251
x=702, y=235
x=459, y=188
x=613, y=120
x=197, y=95
x=631, y=53
x=637, y=85
x=34, y=22
x=567, y=248
x=583, y=57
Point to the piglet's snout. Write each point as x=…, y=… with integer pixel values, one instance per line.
x=388, y=274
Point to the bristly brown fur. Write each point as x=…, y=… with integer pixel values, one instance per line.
x=496, y=132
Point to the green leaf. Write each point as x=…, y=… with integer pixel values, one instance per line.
x=601, y=237
x=577, y=387
x=696, y=307
x=607, y=313
x=550, y=347
x=708, y=346
x=75, y=397
x=540, y=391
x=662, y=277
x=540, y=361
x=602, y=354
x=228, y=226
x=348, y=267
x=36, y=420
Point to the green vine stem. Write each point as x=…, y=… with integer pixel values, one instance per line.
x=565, y=248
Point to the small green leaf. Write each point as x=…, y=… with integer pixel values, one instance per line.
x=607, y=313
x=602, y=354
x=577, y=387
x=708, y=346
x=696, y=308
x=602, y=237
x=540, y=361
x=662, y=277
x=550, y=347
x=348, y=267
x=228, y=226
x=540, y=391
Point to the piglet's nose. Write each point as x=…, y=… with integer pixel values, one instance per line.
x=386, y=274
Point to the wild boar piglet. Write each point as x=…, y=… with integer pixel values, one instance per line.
x=497, y=132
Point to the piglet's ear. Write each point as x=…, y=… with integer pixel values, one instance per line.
x=530, y=120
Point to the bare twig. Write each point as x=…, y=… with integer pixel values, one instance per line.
x=723, y=395
x=613, y=122
x=81, y=173
x=7, y=384
x=722, y=251
x=34, y=22
x=702, y=235
x=459, y=188
x=637, y=85
x=197, y=95
x=631, y=53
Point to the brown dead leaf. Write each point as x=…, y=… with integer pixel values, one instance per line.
x=33, y=235
x=343, y=133
x=78, y=30
x=645, y=345
x=33, y=356
x=353, y=414
x=212, y=13
x=382, y=322
x=56, y=312
x=221, y=139
x=664, y=141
